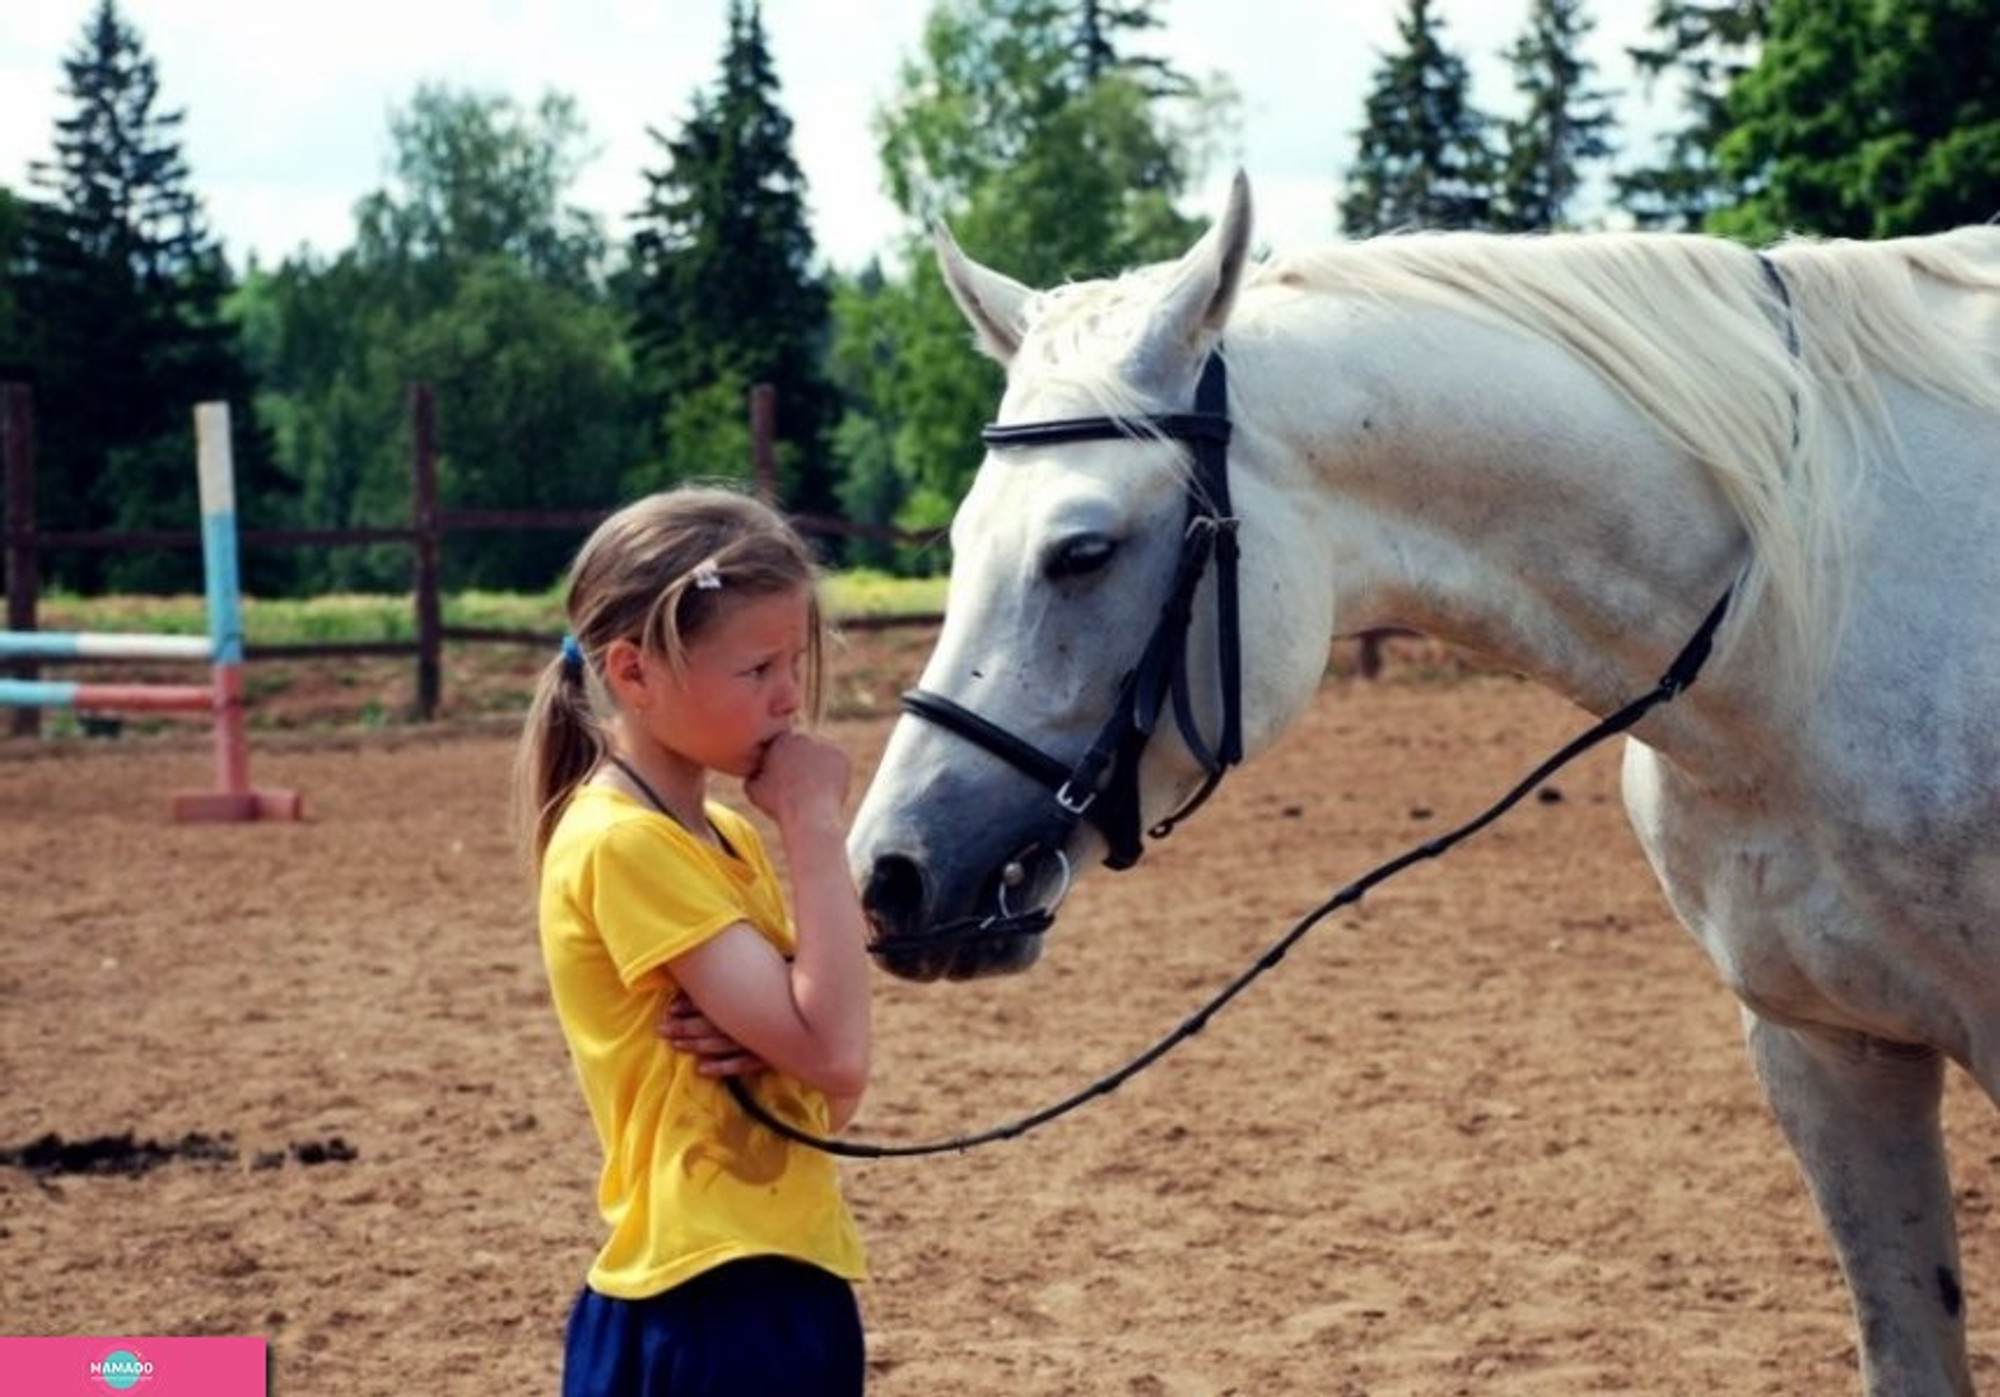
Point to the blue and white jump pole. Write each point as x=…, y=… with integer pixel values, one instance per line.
x=233, y=798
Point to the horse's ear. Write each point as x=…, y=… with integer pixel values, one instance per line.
x=996, y=305
x=1197, y=306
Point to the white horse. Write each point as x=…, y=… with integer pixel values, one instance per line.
x=1557, y=452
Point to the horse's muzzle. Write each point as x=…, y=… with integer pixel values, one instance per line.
x=913, y=943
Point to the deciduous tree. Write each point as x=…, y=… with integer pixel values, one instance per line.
x=1866, y=120
x=1041, y=134
x=473, y=272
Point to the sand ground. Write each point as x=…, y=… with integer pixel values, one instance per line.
x=1490, y=1133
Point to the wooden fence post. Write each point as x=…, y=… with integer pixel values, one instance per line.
x=424, y=517
x=24, y=579
x=764, y=441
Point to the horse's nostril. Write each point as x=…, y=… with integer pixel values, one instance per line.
x=894, y=898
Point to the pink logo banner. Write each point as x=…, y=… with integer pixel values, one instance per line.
x=148, y=1367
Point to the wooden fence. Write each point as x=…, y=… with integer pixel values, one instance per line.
x=429, y=524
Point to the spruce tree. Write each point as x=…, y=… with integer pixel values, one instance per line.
x=13, y=231
x=1708, y=46
x=726, y=294
x=123, y=288
x=1567, y=124
x=1424, y=157
x=1100, y=51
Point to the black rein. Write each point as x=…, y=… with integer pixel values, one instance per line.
x=1680, y=674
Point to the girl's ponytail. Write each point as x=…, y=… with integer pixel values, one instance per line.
x=560, y=745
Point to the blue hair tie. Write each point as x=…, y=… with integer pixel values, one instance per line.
x=572, y=657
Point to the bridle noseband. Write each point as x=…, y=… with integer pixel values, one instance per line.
x=1102, y=786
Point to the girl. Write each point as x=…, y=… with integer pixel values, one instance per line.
x=694, y=648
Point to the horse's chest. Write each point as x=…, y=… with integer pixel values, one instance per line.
x=1879, y=917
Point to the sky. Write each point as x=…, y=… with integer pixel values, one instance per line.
x=288, y=104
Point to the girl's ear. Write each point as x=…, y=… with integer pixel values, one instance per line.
x=625, y=673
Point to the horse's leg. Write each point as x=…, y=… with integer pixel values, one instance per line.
x=1862, y=1116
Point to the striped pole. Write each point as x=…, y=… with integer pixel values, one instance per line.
x=222, y=647
x=118, y=698
x=233, y=798
x=102, y=645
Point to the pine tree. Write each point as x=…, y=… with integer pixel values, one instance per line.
x=1709, y=46
x=1424, y=158
x=1100, y=27
x=725, y=291
x=13, y=233
x=1567, y=124
x=123, y=287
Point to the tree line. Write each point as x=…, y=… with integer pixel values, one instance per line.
x=574, y=367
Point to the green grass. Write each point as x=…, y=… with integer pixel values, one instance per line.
x=367, y=617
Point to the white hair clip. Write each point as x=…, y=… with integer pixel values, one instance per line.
x=707, y=576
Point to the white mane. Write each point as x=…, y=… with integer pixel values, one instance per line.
x=1082, y=336
x=1696, y=335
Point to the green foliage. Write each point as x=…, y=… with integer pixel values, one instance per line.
x=1424, y=156
x=1912, y=144
x=709, y=429
x=1096, y=47
x=325, y=340
x=1567, y=124
x=724, y=290
x=866, y=592
x=13, y=231
x=534, y=397
x=479, y=178
x=1050, y=150
x=472, y=275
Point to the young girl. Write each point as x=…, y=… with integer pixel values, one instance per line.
x=695, y=649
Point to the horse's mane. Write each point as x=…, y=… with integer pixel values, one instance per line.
x=1698, y=336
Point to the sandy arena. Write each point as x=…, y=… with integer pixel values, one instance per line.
x=1492, y=1133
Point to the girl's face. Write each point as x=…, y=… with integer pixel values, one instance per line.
x=743, y=684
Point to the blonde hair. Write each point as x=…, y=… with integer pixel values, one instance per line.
x=659, y=572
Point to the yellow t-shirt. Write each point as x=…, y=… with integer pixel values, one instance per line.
x=689, y=1181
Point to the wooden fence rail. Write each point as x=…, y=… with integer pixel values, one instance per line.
x=430, y=523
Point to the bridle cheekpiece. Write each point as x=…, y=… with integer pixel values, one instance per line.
x=1102, y=785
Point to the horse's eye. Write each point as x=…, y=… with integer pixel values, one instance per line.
x=1079, y=556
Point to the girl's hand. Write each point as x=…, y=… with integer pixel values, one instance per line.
x=800, y=779
x=688, y=1030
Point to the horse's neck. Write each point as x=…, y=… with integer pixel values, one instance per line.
x=1484, y=488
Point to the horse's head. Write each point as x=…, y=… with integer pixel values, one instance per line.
x=1093, y=577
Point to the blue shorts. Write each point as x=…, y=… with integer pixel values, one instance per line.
x=767, y=1324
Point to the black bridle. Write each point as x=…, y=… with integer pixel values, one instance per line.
x=1102, y=786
